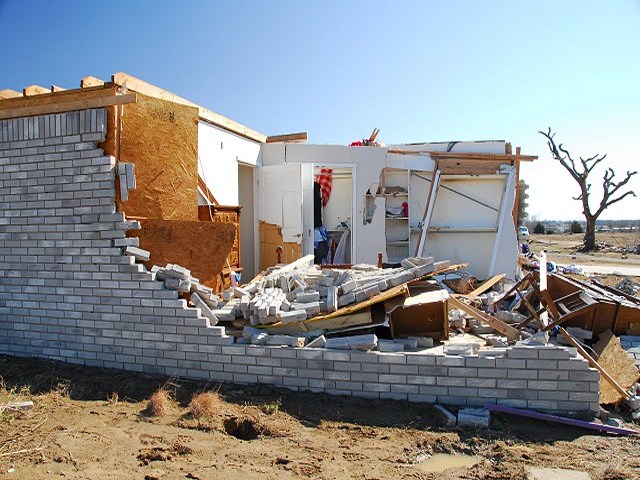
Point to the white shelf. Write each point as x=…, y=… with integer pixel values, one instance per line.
x=398, y=243
x=396, y=218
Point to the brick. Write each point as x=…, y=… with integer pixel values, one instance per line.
x=591, y=375
x=522, y=352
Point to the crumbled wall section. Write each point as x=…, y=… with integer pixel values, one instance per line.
x=68, y=293
x=66, y=290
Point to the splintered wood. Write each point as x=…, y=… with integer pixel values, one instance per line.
x=300, y=296
x=617, y=362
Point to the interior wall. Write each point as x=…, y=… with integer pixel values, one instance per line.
x=219, y=152
x=247, y=221
x=452, y=210
x=339, y=207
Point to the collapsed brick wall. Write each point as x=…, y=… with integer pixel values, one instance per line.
x=68, y=293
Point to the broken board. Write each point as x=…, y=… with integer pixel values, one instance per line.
x=202, y=247
x=617, y=362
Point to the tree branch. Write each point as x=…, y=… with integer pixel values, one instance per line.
x=610, y=188
x=560, y=158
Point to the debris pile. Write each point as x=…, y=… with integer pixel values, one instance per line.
x=627, y=286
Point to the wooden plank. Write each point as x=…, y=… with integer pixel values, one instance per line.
x=8, y=93
x=511, y=333
x=34, y=90
x=90, y=81
x=381, y=297
x=59, y=96
x=289, y=137
x=556, y=419
x=483, y=156
x=464, y=156
x=337, y=323
x=67, y=106
x=207, y=193
x=132, y=83
x=486, y=285
x=593, y=363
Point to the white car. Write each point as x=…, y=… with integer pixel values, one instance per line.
x=524, y=231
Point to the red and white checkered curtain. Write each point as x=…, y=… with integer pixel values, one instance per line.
x=324, y=179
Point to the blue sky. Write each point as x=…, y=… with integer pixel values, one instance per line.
x=418, y=70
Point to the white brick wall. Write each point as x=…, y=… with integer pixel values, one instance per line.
x=68, y=293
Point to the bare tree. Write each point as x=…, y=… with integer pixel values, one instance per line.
x=580, y=173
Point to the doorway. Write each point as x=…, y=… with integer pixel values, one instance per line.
x=333, y=210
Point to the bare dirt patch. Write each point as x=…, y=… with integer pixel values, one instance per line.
x=80, y=429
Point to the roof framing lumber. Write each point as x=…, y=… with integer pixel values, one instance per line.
x=90, y=81
x=132, y=83
x=34, y=90
x=289, y=137
x=66, y=106
x=8, y=93
x=487, y=157
x=59, y=96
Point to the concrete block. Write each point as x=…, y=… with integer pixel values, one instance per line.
x=138, y=253
x=204, y=308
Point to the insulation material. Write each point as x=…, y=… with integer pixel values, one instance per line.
x=202, y=247
x=270, y=239
x=617, y=363
x=161, y=139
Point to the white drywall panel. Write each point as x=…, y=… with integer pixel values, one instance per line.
x=339, y=208
x=456, y=211
x=272, y=154
x=219, y=153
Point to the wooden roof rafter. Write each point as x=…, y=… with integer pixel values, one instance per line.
x=64, y=101
x=135, y=84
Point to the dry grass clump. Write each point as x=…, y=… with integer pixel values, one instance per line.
x=159, y=403
x=205, y=405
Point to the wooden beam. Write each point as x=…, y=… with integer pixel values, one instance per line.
x=56, y=88
x=511, y=333
x=381, y=297
x=465, y=156
x=335, y=323
x=486, y=285
x=207, y=193
x=34, y=90
x=484, y=156
x=90, y=81
x=59, y=96
x=132, y=83
x=8, y=93
x=60, y=107
x=289, y=137
x=593, y=363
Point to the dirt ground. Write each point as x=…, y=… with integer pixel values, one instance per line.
x=563, y=248
x=92, y=424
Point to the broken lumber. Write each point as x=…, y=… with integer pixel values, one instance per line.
x=510, y=332
x=486, y=285
x=615, y=360
x=594, y=363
